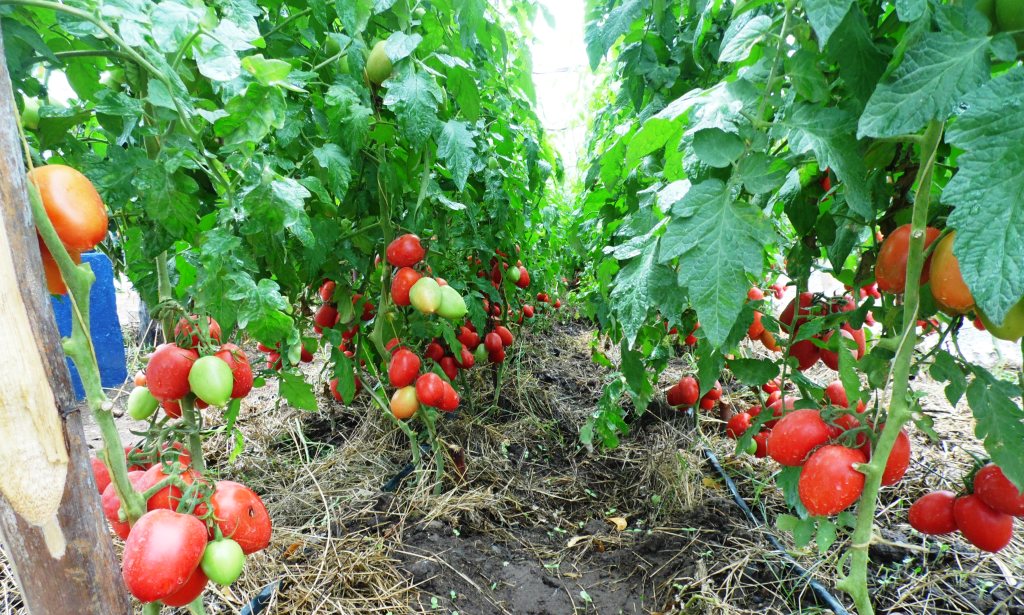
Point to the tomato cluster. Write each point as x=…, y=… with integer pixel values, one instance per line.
x=191, y=365
x=686, y=394
x=984, y=517
x=192, y=531
x=823, y=346
x=76, y=212
x=942, y=274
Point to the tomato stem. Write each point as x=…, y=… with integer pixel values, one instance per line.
x=79, y=280
x=855, y=583
x=195, y=440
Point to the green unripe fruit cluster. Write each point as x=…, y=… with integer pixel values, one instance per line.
x=378, y=65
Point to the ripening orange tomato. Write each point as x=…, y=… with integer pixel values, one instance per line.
x=948, y=286
x=72, y=204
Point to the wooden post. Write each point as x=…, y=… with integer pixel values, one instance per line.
x=53, y=528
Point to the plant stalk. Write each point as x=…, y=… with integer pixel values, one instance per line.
x=855, y=582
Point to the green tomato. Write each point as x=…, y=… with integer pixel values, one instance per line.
x=453, y=306
x=1013, y=325
x=425, y=295
x=514, y=274
x=30, y=116
x=988, y=9
x=492, y=163
x=223, y=561
x=378, y=65
x=480, y=355
x=331, y=46
x=141, y=404
x=751, y=447
x=211, y=380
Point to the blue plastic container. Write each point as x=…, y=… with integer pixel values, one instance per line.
x=106, y=328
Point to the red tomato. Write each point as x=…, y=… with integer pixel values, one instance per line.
x=393, y=345
x=325, y=318
x=899, y=459
x=932, y=513
x=189, y=591
x=405, y=251
x=337, y=394
x=72, y=205
x=769, y=342
x=402, y=282
x=689, y=391
x=169, y=496
x=806, y=353
x=187, y=337
x=755, y=294
x=241, y=371
x=715, y=393
x=241, y=515
x=430, y=389
x=327, y=291
x=771, y=386
x=112, y=505
x=449, y=367
x=987, y=529
x=789, y=313
x=831, y=357
x=161, y=553
x=992, y=486
x=737, y=425
x=557, y=304
x=469, y=338
x=450, y=399
x=796, y=435
x=845, y=423
x=100, y=473
x=524, y=277
x=304, y=355
x=948, y=287
x=496, y=357
x=828, y=483
x=761, y=439
x=435, y=351
x=505, y=335
x=403, y=369
x=707, y=403
x=835, y=393
x=755, y=329
x=465, y=358
x=140, y=379
x=674, y=395
x=167, y=372
x=492, y=342
x=891, y=266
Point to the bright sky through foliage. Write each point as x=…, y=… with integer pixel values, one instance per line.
x=562, y=77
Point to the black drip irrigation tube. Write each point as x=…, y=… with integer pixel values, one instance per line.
x=822, y=592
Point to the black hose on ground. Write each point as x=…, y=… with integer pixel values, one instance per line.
x=819, y=590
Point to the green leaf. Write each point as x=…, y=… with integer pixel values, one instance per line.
x=754, y=372
x=986, y=193
x=252, y=115
x=455, y=145
x=807, y=76
x=742, y=34
x=414, y=97
x=268, y=72
x=631, y=294
x=825, y=15
x=338, y=167
x=853, y=48
x=296, y=391
x=761, y=173
x=600, y=37
x=911, y=10
x=354, y=15
x=826, y=131
x=400, y=45
x=173, y=23
x=934, y=76
x=717, y=148
x=663, y=291
x=1000, y=422
x=653, y=135
x=719, y=242
x=216, y=61
x=946, y=369
x=826, y=535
